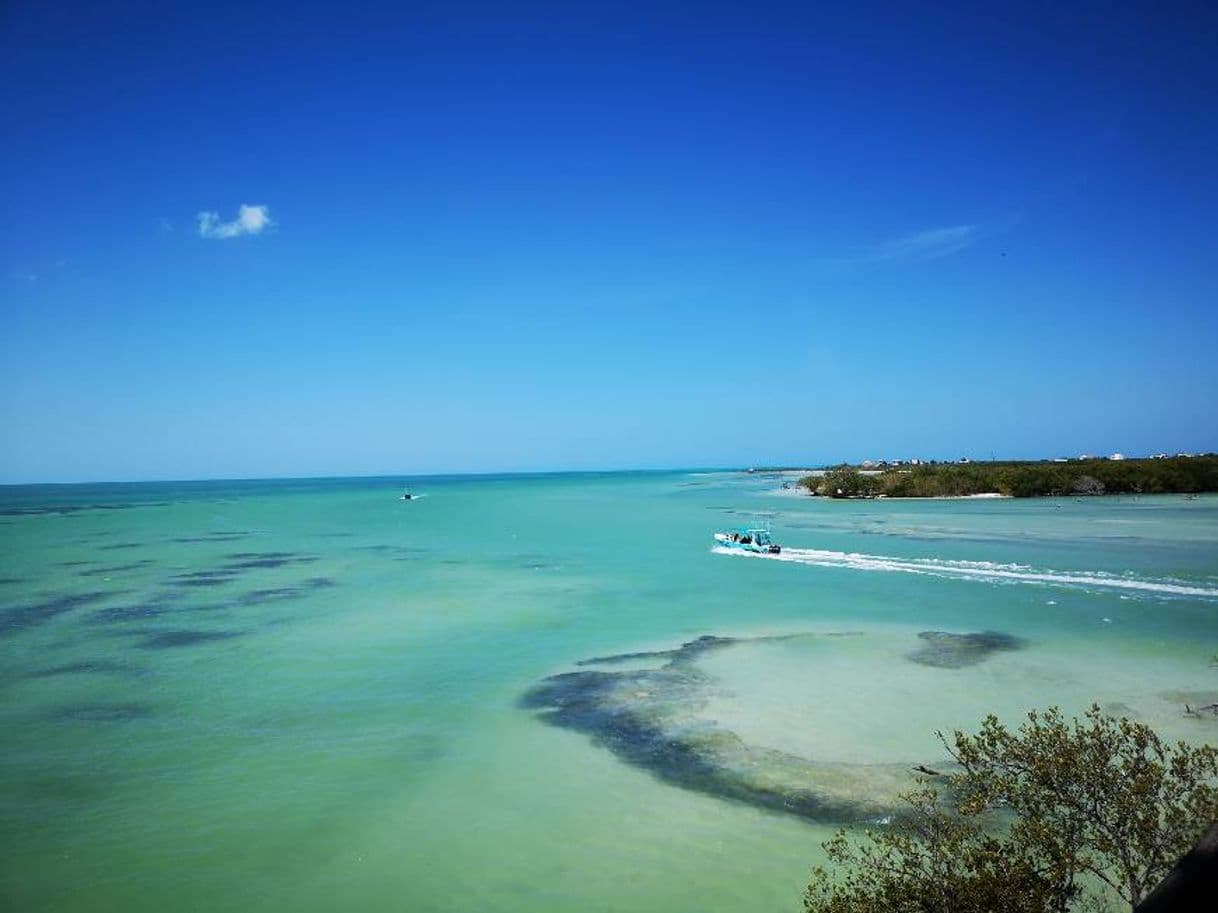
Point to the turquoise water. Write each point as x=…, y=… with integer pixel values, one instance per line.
x=311, y=695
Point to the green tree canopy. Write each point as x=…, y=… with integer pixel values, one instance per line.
x=1059, y=815
x=1024, y=479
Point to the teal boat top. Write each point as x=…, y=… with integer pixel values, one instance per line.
x=758, y=534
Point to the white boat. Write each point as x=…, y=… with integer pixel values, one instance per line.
x=749, y=539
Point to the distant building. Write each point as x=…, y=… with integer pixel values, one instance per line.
x=964, y=460
x=1060, y=460
x=1117, y=456
x=1086, y=456
x=1160, y=456
x=868, y=464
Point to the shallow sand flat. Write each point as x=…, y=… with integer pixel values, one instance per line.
x=863, y=700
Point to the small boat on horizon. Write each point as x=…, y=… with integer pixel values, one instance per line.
x=749, y=539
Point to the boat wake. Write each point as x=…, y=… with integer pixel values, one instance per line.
x=986, y=571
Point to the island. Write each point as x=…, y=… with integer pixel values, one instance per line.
x=1181, y=474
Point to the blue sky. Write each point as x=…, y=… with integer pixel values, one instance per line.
x=529, y=237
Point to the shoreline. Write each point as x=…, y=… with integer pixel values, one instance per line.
x=798, y=491
x=999, y=496
x=1183, y=475
x=984, y=496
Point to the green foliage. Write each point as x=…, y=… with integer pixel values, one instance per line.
x=1029, y=479
x=932, y=862
x=1106, y=796
x=1090, y=810
x=845, y=482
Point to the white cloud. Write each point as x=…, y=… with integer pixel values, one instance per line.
x=923, y=245
x=927, y=245
x=251, y=220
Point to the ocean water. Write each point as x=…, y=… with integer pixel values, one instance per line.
x=311, y=695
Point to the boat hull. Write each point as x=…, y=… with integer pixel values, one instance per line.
x=726, y=541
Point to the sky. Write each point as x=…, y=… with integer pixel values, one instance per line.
x=248, y=240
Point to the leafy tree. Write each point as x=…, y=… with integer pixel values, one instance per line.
x=1026, y=479
x=845, y=482
x=1055, y=816
x=1105, y=795
x=933, y=861
x=1087, y=485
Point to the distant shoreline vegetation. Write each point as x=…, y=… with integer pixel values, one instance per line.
x=1019, y=479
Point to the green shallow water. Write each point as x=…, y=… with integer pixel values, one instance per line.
x=306, y=695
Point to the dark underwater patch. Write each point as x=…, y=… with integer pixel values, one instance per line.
x=203, y=607
x=37, y=510
x=168, y=640
x=944, y=650
x=64, y=509
x=102, y=713
x=114, y=568
x=692, y=649
x=115, y=546
x=647, y=718
x=120, y=614
x=237, y=564
x=292, y=591
x=212, y=537
x=216, y=577
x=19, y=617
x=88, y=667
x=687, y=652
x=396, y=552
x=8, y=581
x=249, y=560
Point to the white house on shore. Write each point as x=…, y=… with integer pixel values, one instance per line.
x=1117, y=456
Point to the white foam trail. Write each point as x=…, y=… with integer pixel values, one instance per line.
x=973, y=570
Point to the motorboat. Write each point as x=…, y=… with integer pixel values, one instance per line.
x=749, y=539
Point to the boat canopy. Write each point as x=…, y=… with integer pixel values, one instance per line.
x=757, y=534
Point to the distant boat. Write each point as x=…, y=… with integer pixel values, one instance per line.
x=407, y=496
x=749, y=539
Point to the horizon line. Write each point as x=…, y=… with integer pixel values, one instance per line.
x=763, y=467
